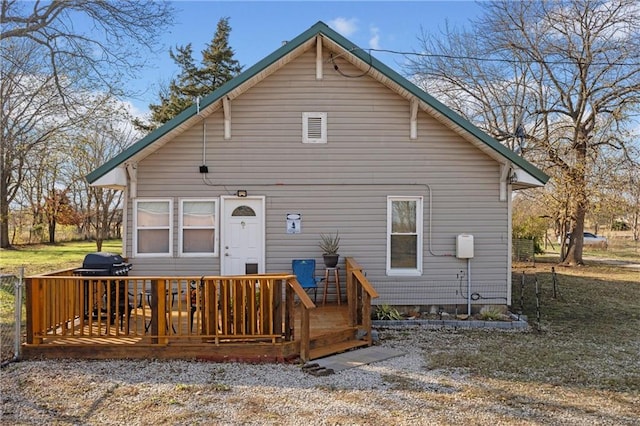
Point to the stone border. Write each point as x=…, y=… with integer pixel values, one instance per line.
x=516, y=323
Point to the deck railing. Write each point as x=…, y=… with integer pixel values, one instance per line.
x=359, y=295
x=183, y=312
x=163, y=309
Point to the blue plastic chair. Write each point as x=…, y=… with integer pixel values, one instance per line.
x=305, y=271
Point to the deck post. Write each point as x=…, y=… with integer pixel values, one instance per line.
x=366, y=316
x=353, y=299
x=158, y=311
x=34, y=309
x=305, y=337
x=163, y=326
x=289, y=314
x=211, y=306
x=277, y=301
x=350, y=304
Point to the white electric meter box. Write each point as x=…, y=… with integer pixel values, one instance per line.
x=464, y=246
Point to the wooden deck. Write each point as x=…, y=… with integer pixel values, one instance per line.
x=258, y=318
x=330, y=333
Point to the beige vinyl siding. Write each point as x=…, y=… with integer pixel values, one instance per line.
x=341, y=185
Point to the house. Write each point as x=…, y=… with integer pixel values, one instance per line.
x=320, y=137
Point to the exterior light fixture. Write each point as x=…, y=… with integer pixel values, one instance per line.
x=241, y=193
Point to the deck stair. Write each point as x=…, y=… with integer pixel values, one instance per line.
x=335, y=342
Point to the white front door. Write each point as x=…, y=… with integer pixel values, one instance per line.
x=242, y=235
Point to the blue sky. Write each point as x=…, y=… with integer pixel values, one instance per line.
x=259, y=27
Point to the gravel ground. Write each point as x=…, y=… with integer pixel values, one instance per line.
x=397, y=391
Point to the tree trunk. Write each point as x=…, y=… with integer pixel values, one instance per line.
x=578, y=180
x=52, y=231
x=574, y=253
x=4, y=219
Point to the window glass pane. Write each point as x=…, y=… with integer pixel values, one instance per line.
x=404, y=251
x=243, y=211
x=153, y=241
x=403, y=217
x=153, y=214
x=198, y=241
x=198, y=213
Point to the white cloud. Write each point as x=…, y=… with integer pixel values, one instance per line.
x=374, y=41
x=344, y=26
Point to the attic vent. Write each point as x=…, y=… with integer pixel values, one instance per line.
x=314, y=127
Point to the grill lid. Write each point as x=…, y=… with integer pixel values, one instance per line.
x=101, y=260
x=110, y=263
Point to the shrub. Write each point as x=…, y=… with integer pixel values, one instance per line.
x=386, y=312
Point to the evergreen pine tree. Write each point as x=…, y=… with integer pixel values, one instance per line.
x=216, y=68
x=217, y=60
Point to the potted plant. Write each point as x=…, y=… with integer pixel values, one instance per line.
x=330, y=243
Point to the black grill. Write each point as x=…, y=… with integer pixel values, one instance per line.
x=103, y=264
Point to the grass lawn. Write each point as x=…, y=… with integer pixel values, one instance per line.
x=589, y=335
x=41, y=258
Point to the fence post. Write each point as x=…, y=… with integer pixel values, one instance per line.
x=537, y=304
x=522, y=294
x=18, y=316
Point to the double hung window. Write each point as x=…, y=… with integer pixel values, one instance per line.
x=198, y=227
x=153, y=234
x=404, y=235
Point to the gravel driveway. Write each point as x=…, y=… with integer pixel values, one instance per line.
x=397, y=391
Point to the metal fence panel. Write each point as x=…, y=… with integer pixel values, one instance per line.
x=12, y=312
x=523, y=251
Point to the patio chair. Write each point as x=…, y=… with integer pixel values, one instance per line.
x=305, y=271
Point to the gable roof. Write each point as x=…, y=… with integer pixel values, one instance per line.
x=260, y=69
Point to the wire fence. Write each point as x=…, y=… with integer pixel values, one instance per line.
x=454, y=297
x=528, y=297
x=12, y=314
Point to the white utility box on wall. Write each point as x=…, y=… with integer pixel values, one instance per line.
x=464, y=246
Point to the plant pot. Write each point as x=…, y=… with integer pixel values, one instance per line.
x=330, y=260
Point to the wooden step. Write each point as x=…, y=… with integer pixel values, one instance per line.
x=335, y=336
x=336, y=348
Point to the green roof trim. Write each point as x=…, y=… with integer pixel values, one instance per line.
x=319, y=28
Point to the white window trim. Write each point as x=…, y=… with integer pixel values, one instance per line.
x=306, y=116
x=408, y=272
x=135, y=227
x=216, y=251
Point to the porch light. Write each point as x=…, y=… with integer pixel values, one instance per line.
x=241, y=193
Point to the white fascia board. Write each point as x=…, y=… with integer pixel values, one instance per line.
x=525, y=180
x=114, y=179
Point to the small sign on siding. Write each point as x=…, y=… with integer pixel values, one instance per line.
x=294, y=223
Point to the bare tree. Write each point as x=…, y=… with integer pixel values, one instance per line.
x=557, y=80
x=93, y=43
x=58, y=58
x=30, y=119
x=106, y=136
